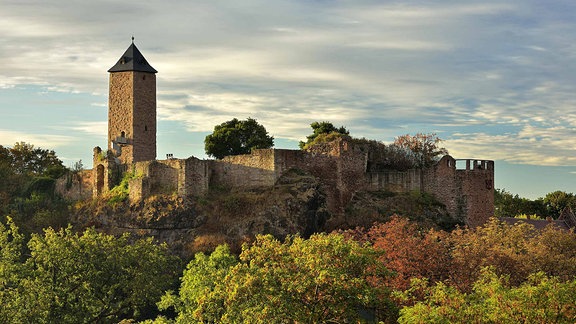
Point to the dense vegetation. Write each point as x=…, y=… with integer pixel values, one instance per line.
x=509, y=205
x=66, y=277
x=399, y=271
x=27, y=179
x=393, y=269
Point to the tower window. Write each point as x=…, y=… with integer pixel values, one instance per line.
x=122, y=134
x=143, y=77
x=145, y=128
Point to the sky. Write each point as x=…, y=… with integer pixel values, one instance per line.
x=495, y=80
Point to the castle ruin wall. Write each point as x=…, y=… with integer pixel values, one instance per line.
x=477, y=182
x=394, y=181
x=247, y=170
x=76, y=186
x=194, y=178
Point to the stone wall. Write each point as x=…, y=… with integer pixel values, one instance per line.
x=172, y=176
x=194, y=178
x=132, y=116
x=467, y=192
x=341, y=168
x=76, y=186
x=477, y=182
x=120, y=115
x=339, y=165
x=395, y=181
x=248, y=170
x=144, y=117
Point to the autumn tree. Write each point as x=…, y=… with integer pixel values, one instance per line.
x=541, y=299
x=323, y=131
x=410, y=251
x=425, y=147
x=236, y=137
x=322, y=279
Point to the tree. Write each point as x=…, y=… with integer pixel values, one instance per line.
x=11, y=271
x=28, y=177
x=321, y=130
x=508, y=205
x=28, y=160
x=236, y=137
x=558, y=200
x=201, y=296
x=410, y=252
x=425, y=147
x=80, y=278
x=541, y=299
x=322, y=279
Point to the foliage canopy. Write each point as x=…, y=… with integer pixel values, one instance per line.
x=541, y=299
x=79, y=277
x=320, y=130
x=236, y=137
x=319, y=280
x=425, y=147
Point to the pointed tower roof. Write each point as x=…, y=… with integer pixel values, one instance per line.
x=132, y=60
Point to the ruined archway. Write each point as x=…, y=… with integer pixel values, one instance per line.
x=99, y=179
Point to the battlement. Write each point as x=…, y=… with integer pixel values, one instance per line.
x=474, y=165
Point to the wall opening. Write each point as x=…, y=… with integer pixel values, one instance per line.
x=461, y=164
x=99, y=179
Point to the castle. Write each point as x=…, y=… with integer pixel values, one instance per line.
x=344, y=167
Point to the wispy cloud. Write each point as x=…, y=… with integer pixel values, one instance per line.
x=494, y=78
x=47, y=141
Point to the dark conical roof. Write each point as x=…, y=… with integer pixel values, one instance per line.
x=132, y=60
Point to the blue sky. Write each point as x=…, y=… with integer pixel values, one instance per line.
x=494, y=79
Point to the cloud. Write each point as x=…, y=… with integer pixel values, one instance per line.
x=494, y=78
x=99, y=128
x=48, y=141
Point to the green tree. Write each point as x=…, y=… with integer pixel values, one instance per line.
x=558, y=200
x=322, y=279
x=509, y=205
x=27, y=187
x=320, y=130
x=202, y=294
x=236, y=137
x=425, y=147
x=82, y=278
x=11, y=271
x=29, y=160
x=541, y=299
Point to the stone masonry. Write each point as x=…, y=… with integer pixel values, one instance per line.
x=342, y=166
x=132, y=116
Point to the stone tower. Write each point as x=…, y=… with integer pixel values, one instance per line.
x=132, y=108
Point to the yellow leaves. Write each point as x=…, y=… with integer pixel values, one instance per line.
x=317, y=279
